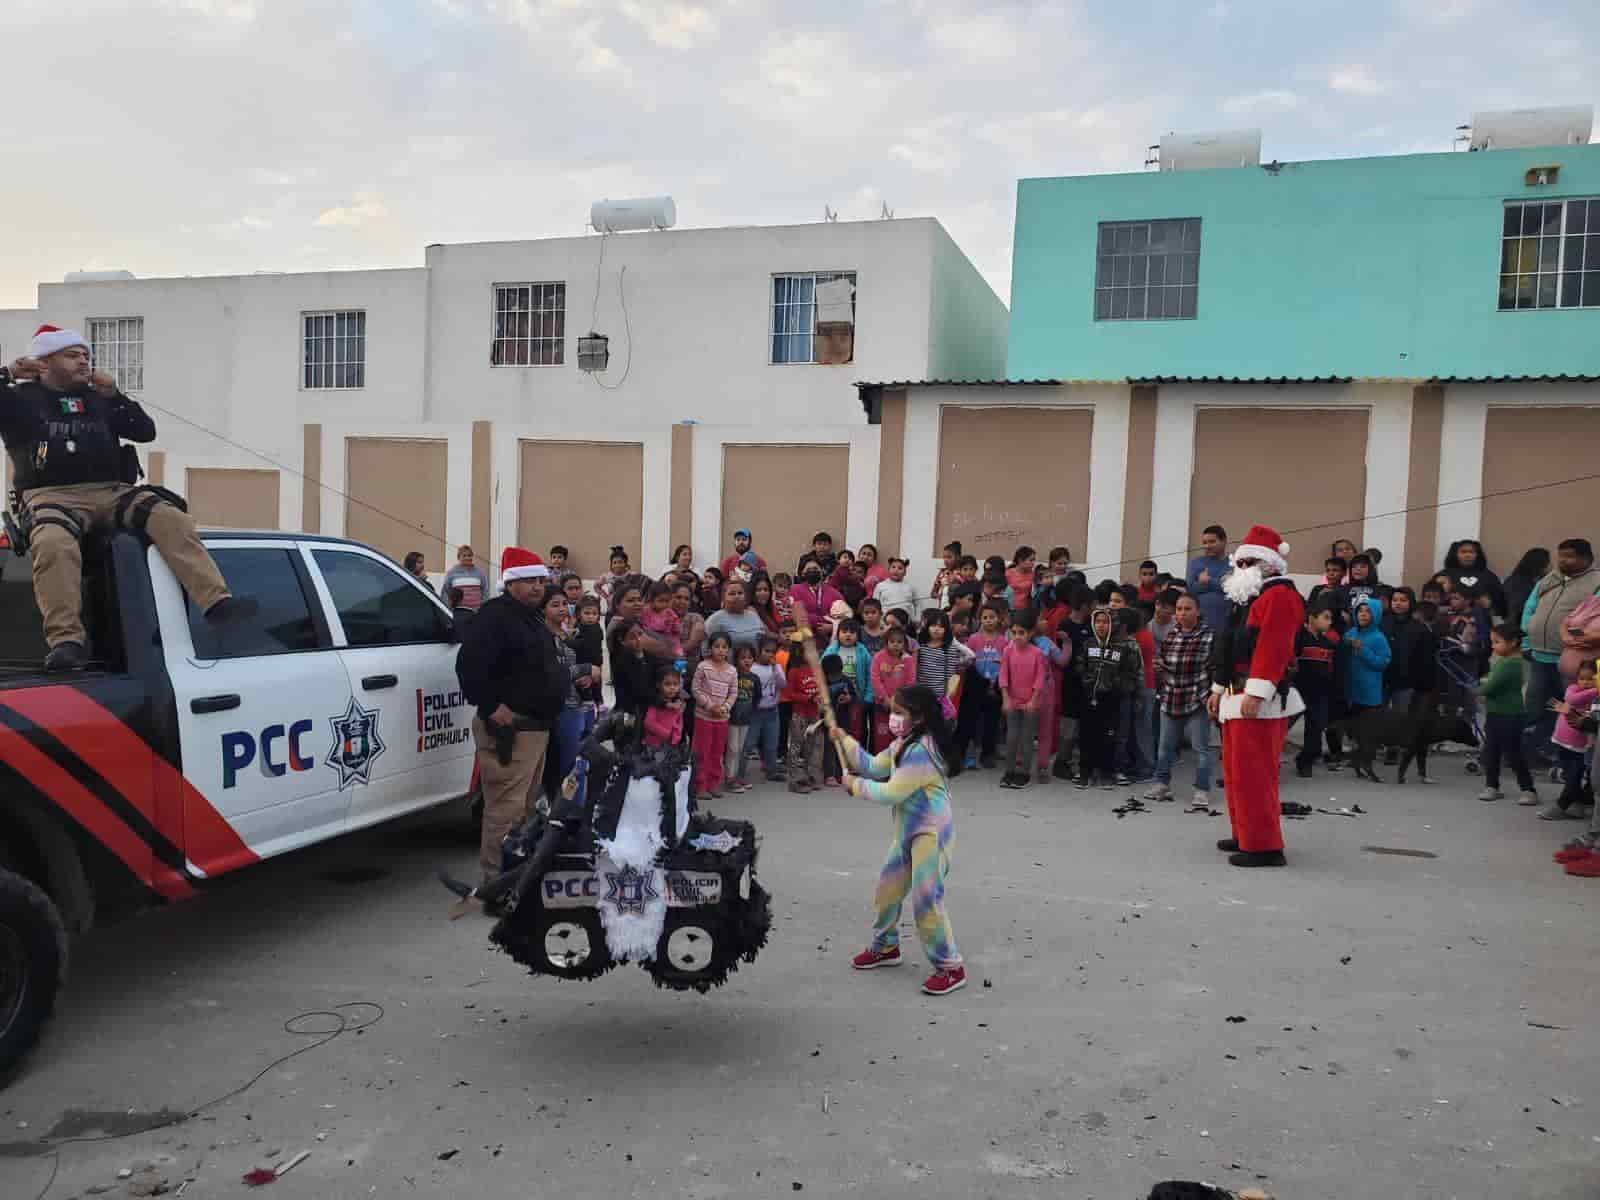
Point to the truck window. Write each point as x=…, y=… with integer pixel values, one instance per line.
x=21, y=627
x=378, y=605
x=283, y=623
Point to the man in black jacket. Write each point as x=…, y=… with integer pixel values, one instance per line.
x=63, y=424
x=508, y=668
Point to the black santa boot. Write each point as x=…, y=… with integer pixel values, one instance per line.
x=1258, y=858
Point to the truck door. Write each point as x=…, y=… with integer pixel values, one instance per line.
x=410, y=727
x=259, y=701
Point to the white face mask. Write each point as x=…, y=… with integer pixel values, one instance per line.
x=899, y=724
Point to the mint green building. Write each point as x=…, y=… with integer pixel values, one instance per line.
x=1418, y=266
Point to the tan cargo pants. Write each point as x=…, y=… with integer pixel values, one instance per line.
x=506, y=789
x=58, y=558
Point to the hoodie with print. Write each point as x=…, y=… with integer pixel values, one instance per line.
x=1110, y=665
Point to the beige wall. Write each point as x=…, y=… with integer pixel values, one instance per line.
x=1529, y=446
x=235, y=499
x=396, y=499
x=784, y=495
x=587, y=496
x=680, y=516
x=1140, y=481
x=1012, y=476
x=1294, y=469
x=891, y=472
x=482, y=489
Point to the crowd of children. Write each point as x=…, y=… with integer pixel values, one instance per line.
x=1045, y=676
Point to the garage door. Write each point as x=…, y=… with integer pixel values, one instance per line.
x=233, y=499
x=586, y=496
x=1529, y=446
x=1286, y=486
x=784, y=495
x=1012, y=477
x=396, y=499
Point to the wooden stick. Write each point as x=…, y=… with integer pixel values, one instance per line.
x=814, y=661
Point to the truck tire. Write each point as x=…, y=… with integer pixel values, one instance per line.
x=33, y=965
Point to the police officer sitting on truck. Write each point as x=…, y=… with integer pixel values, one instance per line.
x=63, y=423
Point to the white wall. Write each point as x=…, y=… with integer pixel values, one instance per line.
x=16, y=331
x=699, y=310
x=967, y=322
x=1388, y=456
x=222, y=360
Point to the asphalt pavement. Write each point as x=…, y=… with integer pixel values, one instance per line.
x=1363, y=1023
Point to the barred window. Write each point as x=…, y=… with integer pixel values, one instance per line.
x=116, y=344
x=1550, y=254
x=334, y=353
x=1147, y=270
x=813, y=317
x=530, y=325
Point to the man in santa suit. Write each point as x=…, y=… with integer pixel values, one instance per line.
x=1250, y=693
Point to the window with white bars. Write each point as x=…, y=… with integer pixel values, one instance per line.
x=1550, y=254
x=813, y=317
x=1147, y=270
x=116, y=344
x=334, y=349
x=530, y=325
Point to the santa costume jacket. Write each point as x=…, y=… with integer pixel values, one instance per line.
x=1255, y=655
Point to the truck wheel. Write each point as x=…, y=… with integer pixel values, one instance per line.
x=33, y=964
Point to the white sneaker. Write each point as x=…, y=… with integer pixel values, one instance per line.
x=1528, y=799
x=1489, y=793
x=1201, y=802
x=1158, y=791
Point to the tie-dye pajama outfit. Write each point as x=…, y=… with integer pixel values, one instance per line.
x=919, y=857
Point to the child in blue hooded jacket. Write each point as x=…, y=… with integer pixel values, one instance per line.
x=1367, y=656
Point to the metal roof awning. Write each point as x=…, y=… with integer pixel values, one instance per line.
x=871, y=394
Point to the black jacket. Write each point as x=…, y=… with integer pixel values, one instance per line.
x=508, y=657
x=1414, y=651
x=56, y=439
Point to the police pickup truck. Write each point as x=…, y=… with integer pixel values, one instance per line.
x=189, y=750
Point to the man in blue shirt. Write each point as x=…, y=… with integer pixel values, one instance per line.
x=1206, y=573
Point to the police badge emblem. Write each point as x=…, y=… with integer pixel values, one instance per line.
x=356, y=744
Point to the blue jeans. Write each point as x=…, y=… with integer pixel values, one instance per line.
x=1198, y=726
x=1544, y=685
x=1144, y=733
x=764, y=734
x=572, y=726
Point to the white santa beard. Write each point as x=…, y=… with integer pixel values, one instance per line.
x=1244, y=584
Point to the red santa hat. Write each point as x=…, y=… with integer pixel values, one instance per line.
x=517, y=563
x=49, y=339
x=1262, y=544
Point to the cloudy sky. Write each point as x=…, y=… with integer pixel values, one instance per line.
x=178, y=137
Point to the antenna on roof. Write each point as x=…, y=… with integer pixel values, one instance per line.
x=886, y=213
x=829, y=214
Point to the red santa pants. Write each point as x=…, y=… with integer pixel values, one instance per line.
x=1250, y=752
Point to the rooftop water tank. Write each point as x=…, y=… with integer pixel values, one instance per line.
x=1522, y=127
x=96, y=276
x=646, y=212
x=1202, y=151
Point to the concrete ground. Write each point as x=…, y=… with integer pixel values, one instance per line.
x=1358, y=1025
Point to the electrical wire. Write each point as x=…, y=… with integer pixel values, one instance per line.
x=342, y=1025
x=267, y=458
x=1398, y=512
x=594, y=313
x=627, y=329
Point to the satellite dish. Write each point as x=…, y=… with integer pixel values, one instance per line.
x=1207, y=151
x=1524, y=127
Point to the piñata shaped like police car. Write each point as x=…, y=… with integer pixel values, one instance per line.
x=626, y=870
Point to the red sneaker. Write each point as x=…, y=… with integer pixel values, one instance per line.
x=942, y=983
x=1573, y=852
x=1588, y=868
x=869, y=959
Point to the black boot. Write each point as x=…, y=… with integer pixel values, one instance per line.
x=233, y=608
x=1228, y=846
x=1259, y=858
x=68, y=656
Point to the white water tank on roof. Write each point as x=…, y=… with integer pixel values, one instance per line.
x=1522, y=127
x=645, y=212
x=97, y=276
x=1202, y=151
